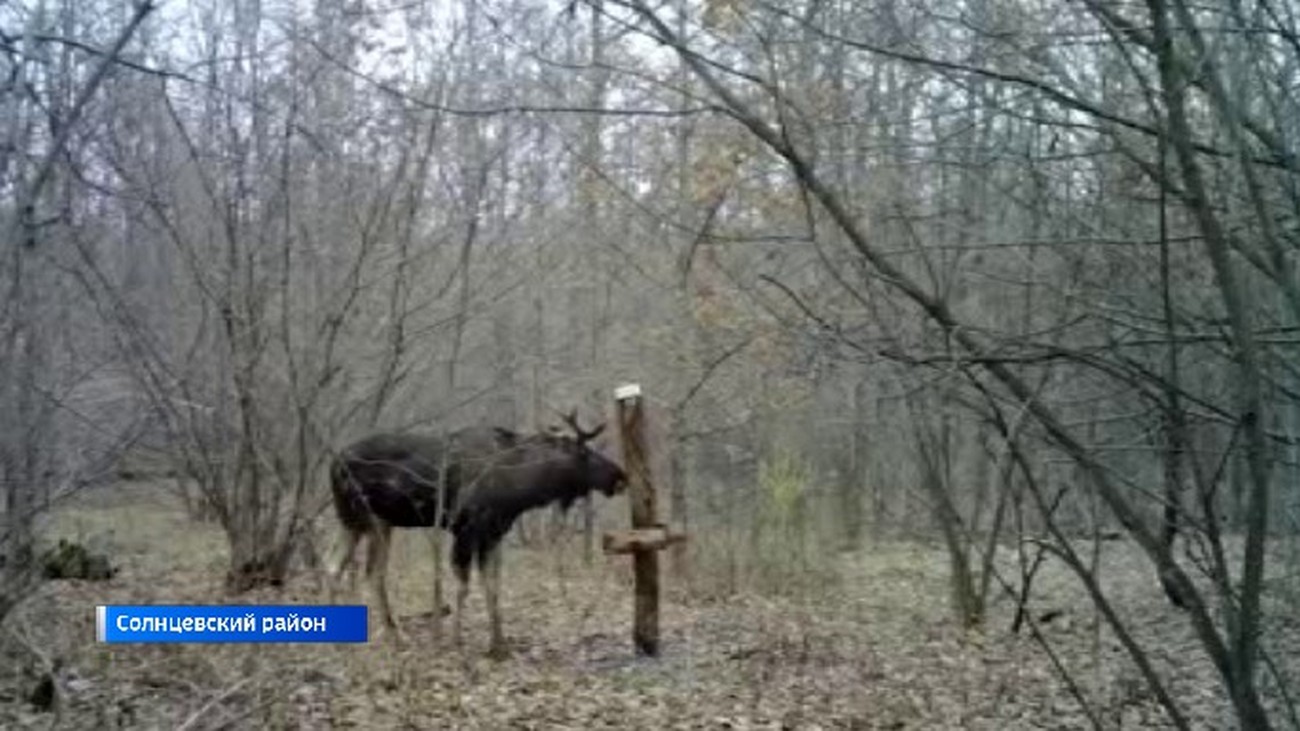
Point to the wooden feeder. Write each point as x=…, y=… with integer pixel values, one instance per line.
x=647, y=536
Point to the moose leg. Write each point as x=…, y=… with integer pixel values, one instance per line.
x=490, y=570
x=439, y=609
x=377, y=569
x=462, y=593
x=350, y=540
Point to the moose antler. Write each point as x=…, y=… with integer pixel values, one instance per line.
x=583, y=435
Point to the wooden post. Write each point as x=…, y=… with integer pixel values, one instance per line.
x=647, y=536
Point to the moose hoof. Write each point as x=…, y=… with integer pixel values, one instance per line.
x=498, y=652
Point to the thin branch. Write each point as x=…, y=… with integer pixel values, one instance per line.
x=32, y=192
x=505, y=109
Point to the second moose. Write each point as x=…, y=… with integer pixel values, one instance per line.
x=487, y=477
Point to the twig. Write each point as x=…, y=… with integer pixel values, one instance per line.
x=194, y=717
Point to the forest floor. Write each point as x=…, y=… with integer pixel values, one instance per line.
x=873, y=648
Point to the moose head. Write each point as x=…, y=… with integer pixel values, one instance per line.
x=601, y=473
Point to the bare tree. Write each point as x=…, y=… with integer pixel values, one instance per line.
x=48, y=397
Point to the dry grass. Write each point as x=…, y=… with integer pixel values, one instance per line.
x=874, y=649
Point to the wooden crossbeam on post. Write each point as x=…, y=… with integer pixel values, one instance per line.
x=647, y=536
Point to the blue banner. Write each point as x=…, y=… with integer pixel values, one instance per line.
x=185, y=623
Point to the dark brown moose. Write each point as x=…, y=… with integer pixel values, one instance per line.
x=488, y=477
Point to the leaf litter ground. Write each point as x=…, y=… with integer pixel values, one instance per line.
x=873, y=649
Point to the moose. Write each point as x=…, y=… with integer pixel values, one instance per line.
x=487, y=476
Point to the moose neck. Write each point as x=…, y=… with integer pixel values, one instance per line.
x=561, y=486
